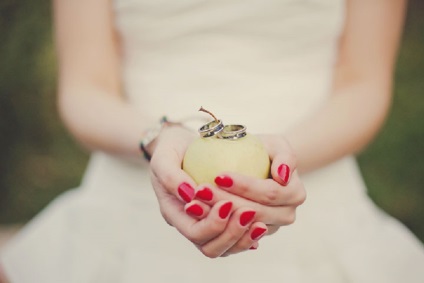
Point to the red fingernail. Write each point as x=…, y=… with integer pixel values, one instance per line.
x=284, y=173
x=195, y=210
x=257, y=233
x=205, y=194
x=253, y=248
x=225, y=209
x=246, y=217
x=224, y=181
x=186, y=192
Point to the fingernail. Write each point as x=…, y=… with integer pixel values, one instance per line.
x=224, y=181
x=225, y=209
x=257, y=233
x=195, y=210
x=205, y=194
x=186, y=192
x=246, y=217
x=254, y=246
x=284, y=173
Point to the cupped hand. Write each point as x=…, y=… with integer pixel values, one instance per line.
x=275, y=199
x=217, y=229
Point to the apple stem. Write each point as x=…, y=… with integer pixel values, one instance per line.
x=210, y=113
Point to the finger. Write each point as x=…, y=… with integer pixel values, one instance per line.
x=197, y=209
x=166, y=168
x=270, y=215
x=238, y=224
x=264, y=191
x=203, y=230
x=249, y=239
x=254, y=246
x=205, y=194
x=282, y=167
x=283, y=159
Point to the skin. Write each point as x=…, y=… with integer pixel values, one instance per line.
x=362, y=88
x=88, y=53
x=89, y=60
x=273, y=201
x=357, y=107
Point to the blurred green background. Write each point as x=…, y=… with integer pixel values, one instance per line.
x=39, y=159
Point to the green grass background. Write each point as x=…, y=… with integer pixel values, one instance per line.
x=39, y=160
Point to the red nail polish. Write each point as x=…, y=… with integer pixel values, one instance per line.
x=195, y=210
x=225, y=209
x=224, y=181
x=284, y=173
x=246, y=217
x=253, y=248
x=186, y=192
x=205, y=194
x=257, y=233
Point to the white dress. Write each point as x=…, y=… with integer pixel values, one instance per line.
x=263, y=63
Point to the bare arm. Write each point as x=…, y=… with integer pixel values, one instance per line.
x=95, y=111
x=90, y=98
x=361, y=93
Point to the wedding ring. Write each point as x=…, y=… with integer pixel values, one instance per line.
x=210, y=129
x=233, y=132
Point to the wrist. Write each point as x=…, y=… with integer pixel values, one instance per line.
x=148, y=143
x=164, y=132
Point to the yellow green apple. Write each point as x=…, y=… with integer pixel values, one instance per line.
x=206, y=158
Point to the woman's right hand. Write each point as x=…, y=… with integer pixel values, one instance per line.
x=216, y=230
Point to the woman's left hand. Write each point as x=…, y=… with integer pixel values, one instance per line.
x=217, y=229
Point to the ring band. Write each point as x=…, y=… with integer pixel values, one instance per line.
x=233, y=132
x=210, y=129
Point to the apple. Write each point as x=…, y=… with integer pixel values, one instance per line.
x=225, y=149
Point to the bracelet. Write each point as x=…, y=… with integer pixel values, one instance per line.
x=151, y=135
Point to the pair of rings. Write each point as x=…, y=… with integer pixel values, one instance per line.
x=216, y=127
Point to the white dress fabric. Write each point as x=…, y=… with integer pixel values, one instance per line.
x=263, y=63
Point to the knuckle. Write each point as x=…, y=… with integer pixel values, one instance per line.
x=292, y=157
x=287, y=218
x=163, y=212
x=271, y=196
x=297, y=195
x=234, y=235
x=243, y=246
x=165, y=216
x=300, y=195
x=291, y=217
x=215, y=228
x=166, y=178
x=195, y=239
x=209, y=253
x=243, y=188
x=162, y=175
